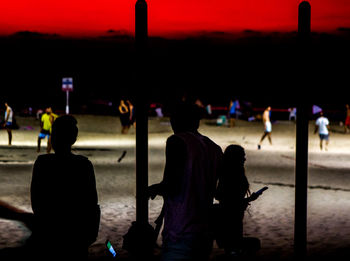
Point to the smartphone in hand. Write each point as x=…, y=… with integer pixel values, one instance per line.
x=111, y=249
x=260, y=191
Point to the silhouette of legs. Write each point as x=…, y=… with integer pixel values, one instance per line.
x=9, y=132
x=326, y=145
x=268, y=134
x=48, y=148
x=39, y=145
x=232, y=122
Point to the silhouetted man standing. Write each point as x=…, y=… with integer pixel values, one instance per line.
x=188, y=187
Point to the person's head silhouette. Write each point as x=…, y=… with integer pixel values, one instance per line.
x=235, y=155
x=64, y=133
x=185, y=117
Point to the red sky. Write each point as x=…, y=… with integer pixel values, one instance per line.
x=91, y=17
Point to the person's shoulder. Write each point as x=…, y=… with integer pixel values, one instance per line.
x=80, y=158
x=45, y=158
x=211, y=142
x=175, y=139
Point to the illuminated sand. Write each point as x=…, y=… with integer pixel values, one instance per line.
x=270, y=218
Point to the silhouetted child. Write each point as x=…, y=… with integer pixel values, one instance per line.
x=234, y=196
x=64, y=198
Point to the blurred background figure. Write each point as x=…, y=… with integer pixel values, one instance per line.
x=292, y=113
x=322, y=126
x=124, y=116
x=234, y=105
x=267, y=126
x=347, y=119
x=132, y=113
x=46, y=121
x=159, y=111
x=8, y=122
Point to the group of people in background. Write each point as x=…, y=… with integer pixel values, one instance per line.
x=46, y=120
x=127, y=119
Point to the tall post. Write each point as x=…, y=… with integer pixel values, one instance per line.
x=67, y=102
x=141, y=109
x=302, y=132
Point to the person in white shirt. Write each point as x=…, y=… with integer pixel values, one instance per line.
x=322, y=126
x=8, y=122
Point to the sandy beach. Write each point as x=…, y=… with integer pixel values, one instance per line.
x=270, y=218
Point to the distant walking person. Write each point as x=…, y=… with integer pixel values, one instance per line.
x=132, y=113
x=233, y=112
x=46, y=122
x=267, y=126
x=64, y=198
x=347, y=119
x=292, y=113
x=322, y=126
x=124, y=112
x=8, y=122
x=188, y=187
x=234, y=195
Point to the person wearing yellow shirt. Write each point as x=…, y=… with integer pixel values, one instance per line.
x=46, y=122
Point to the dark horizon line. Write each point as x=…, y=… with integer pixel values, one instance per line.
x=111, y=33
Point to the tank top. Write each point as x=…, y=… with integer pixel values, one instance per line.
x=187, y=214
x=10, y=115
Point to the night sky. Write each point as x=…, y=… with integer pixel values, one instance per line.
x=91, y=17
x=246, y=49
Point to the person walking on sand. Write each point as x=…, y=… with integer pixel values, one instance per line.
x=188, y=187
x=347, y=119
x=8, y=122
x=46, y=122
x=234, y=197
x=124, y=116
x=267, y=126
x=322, y=126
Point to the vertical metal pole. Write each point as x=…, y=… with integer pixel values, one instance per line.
x=301, y=180
x=67, y=102
x=302, y=132
x=141, y=109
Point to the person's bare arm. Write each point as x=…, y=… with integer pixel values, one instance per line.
x=7, y=116
x=174, y=169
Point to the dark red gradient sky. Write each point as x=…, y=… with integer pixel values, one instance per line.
x=91, y=17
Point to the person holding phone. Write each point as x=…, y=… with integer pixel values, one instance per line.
x=234, y=195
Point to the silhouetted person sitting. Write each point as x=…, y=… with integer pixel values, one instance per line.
x=234, y=196
x=188, y=187
x=64, y=198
